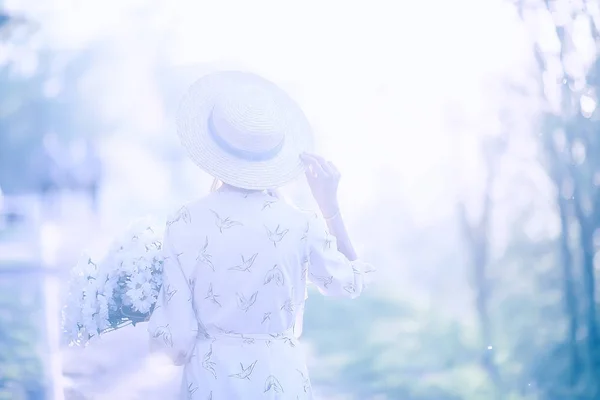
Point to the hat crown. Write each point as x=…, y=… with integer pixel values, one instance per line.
x=243, y=130
x=249, y=119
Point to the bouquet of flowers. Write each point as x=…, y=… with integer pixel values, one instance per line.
x=118, y=290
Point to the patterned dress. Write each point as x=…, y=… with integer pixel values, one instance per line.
x=234, y=286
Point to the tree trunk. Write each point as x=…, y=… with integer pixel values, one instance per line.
x=477, y=235
x=557, y=174
x=570, y=297
x=587, y=247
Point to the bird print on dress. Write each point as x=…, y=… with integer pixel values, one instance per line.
x=210, y=295
x=305, y=381
x=192, y=286
x=170, y=291
x=93, y=264
x=266, y=317
x=328, y=241
x=324, y=280
x=304, y=271
x=247, y=340
x=289, y=305
x=275, y=274
x=350, y=288
x=208, y=364
x=279, y=336
x=205, y=258
x=368, y=269
x=246, y=372
x=289, y=341
x=277, y=235
x=304, y=236
x=225, y=331
x=163, y=332
x=192, y=283
x=157, y=245
x=191, y=389
x=276, y=335
x=246, y=264
x=182, y=215
x=268, y=203
x=244, y=303
x=245, y=195
x=149, y=229
x=272, y=384
x=225, y=223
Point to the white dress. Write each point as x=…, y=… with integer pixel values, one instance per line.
x=234, y=286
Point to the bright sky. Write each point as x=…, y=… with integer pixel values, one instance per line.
x=377, y=79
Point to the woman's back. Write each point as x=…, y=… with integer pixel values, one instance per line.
x=234, y=285
x=245, y=254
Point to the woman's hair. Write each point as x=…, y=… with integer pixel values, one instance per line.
x=216, y=184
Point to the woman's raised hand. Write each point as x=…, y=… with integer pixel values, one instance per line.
x=323, y=179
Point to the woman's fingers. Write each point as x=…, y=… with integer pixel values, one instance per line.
x=314, y=166
x=325, y=165
x=334, y=169
x=322, y=165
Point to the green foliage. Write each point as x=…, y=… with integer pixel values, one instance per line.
x=402, y=351
x=28, y=113
x=21, y=336
x=397, y=351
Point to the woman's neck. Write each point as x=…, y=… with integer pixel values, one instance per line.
x=229, y=188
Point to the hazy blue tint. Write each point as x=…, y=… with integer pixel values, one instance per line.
x=468, y=137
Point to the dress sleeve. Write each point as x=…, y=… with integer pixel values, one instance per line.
x=173, y=326
x=329, y=269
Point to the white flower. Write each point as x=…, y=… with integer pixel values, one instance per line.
x=130, y=276
x=145, y=305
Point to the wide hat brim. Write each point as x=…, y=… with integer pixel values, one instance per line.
x=193, y=130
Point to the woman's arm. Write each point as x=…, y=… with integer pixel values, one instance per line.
x=333, y=264
x=173, y=326
x=337, y=228
x=323, y=179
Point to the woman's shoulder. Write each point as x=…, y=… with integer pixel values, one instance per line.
x=232, y=208
x=184, y=213
x=306, y=213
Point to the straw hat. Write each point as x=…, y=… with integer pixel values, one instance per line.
x=244, y=130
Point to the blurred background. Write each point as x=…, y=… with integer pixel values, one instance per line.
x=468, y=136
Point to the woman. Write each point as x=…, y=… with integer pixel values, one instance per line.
x=238, y=261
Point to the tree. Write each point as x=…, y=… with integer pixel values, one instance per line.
x=476, y=232
x=569, y=137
